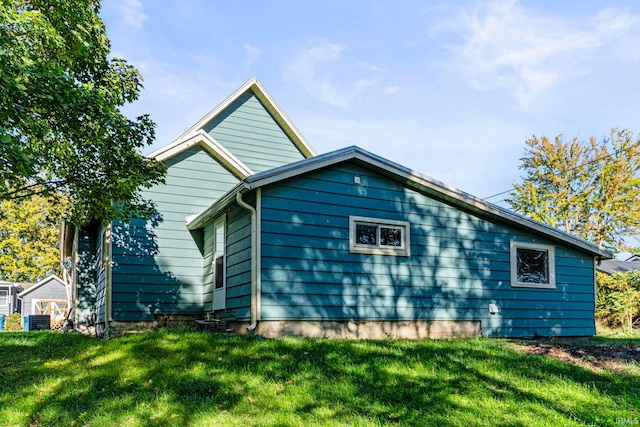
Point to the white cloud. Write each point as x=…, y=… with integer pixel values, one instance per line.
x=131, y=13
x=508, y=46
x=252, y=55
x=303, y=69
x=327, y=74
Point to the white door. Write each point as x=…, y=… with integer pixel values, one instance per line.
x=218, y=265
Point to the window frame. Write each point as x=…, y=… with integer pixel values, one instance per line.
x=354, y=247
x=550, y=249
x=4, y=301
x=219, y=270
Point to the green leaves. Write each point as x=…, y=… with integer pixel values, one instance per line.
x=588, y=188
x=618, y=299
x=29, y=237
x=60, y=119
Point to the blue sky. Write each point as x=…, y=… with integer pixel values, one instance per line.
x=450, y=89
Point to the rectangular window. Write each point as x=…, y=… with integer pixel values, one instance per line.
x=4, y=298
x=219, y=256
x=378, y=236
x=218, y=270
x=533, y=265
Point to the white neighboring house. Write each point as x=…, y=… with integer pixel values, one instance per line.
x=9, y=297
x=48, y=296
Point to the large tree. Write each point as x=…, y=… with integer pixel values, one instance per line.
x=61, y=125
x=587, y=188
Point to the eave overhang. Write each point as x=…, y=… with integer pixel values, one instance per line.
x=410, y=178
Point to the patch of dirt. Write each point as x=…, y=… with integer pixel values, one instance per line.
x=594, y=356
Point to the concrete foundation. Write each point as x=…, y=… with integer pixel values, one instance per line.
x=404, y=329
x=410, y=329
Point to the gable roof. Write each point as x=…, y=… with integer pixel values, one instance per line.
x=49, y=279
x=611, y=266
x=195, y=134
x=17, y=286
x=200, y=137
x=406, y=176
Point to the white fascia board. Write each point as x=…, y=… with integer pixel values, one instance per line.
x=161, y=154
x=224, y=155
x=202, y=138
x=220, y=107
x=281, y=118
x=174, y=148
x=254, y=85
x=42, y=282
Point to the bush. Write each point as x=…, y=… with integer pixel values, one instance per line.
x=618, y=299
x=13, y=322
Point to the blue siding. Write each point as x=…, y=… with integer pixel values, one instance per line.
x=239, y=263
x=251, y=134
x=459, y=262
x=207, y=266
x=158, y=264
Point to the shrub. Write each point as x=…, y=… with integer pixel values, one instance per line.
x=12, y=322
x=618, y=299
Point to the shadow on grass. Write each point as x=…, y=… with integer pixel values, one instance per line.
x=185, y=378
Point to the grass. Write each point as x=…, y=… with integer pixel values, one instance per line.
x=179, y=377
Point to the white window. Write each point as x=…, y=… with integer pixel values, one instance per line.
x=378, y=236
x=533, y=265
x=4, y=298
x=218, y=264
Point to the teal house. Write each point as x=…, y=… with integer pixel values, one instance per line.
x=254, y=228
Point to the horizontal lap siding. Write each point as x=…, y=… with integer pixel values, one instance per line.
x=239, y=263
x=251, y=134
x=207, y=266
x=459, y=263
x=158, y=267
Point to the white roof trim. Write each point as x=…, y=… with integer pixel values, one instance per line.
x=202, y=138
x=409, y=177
x=41, y=283
x=261, y=93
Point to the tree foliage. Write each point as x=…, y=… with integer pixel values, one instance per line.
x=588, y=188
x=61, y=128
x=618, y=299
x=29, y=237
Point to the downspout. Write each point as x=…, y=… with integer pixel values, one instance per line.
x=255, y=261
x=73, y=276
x=108, y=288
x=596, y=262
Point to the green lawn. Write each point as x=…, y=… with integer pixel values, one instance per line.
x=179, y=377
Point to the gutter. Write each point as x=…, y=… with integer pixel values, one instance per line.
x=255, y=257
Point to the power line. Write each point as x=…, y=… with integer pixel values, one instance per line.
x=569, y=170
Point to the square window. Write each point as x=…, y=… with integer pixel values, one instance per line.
x=378, y=236
x=366, y=234
x=532, y=265
x=391, y=236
